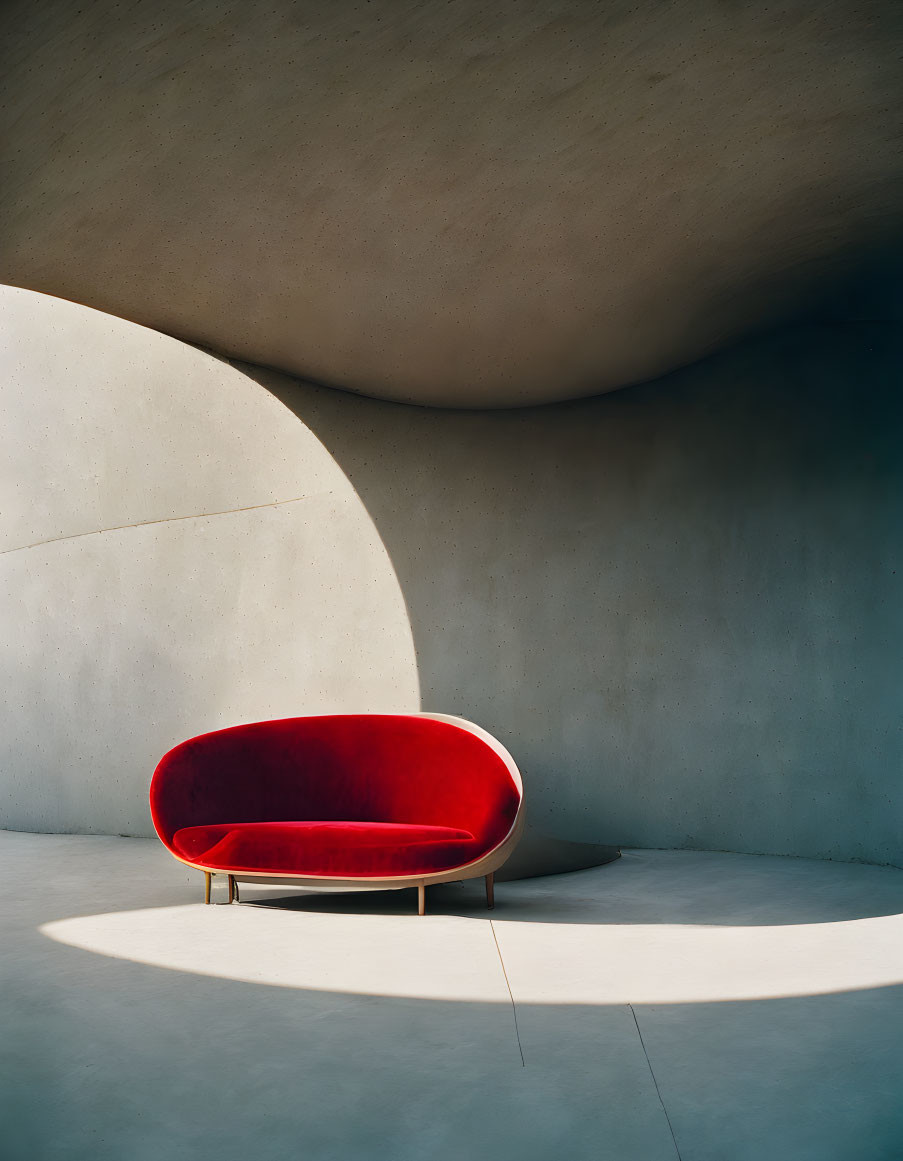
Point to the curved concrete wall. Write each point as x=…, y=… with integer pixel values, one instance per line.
x=464, y=204
x=179, y=553
x=678, y=606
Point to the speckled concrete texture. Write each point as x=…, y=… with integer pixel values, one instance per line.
x=670, y=1005
x=450, y=203
x=180, y=554
x=678, y=606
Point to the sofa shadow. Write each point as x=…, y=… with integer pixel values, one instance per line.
x=737, y=891
x=742, y=891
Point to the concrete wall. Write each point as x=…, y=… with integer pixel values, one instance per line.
x=677, y=605
x=464, y=203
x=179, y=553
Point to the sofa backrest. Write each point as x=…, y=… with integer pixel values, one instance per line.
x=414, y=768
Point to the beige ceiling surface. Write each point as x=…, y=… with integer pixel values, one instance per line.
x=450, y=203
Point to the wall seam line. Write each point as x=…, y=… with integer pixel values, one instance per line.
x=159, y=520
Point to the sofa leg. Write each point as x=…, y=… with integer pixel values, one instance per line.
x=207, y=878
x=233, y=888
x=490, y=890
x=421, y=900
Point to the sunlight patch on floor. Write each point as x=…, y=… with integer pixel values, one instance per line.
x=447, y=957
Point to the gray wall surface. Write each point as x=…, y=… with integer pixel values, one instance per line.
x=678, y=606
x=464, y=204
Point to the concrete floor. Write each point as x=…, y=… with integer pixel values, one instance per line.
x=706, y=1007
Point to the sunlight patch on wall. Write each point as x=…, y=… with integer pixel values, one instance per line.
x=179, y=553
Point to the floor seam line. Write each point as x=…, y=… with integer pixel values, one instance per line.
x=520, y=1046
x=145, y=523
x=655, y=1082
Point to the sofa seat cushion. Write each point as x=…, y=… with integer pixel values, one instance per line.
x=348, y=849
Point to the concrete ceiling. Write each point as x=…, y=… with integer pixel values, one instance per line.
x=456, y=204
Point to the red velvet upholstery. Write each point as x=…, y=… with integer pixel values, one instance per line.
x=341, y=795
x=334, y=848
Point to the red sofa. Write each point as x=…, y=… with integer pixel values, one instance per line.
x=394, y=800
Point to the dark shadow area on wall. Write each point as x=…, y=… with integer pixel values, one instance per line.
x=679, y=604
